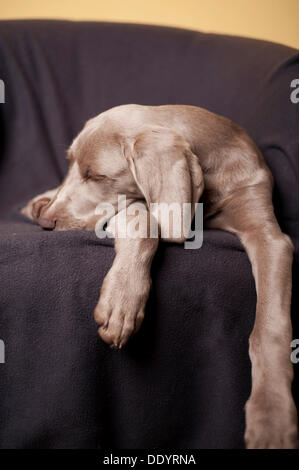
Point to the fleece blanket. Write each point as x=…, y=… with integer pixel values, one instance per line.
x=182, y=382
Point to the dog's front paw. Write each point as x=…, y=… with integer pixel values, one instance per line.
x=33, y=207
x=120, y=310
x=271, y=423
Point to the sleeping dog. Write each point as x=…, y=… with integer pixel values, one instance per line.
x=183, y=154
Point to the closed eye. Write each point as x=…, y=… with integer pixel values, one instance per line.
x=88, y=176
x=98, y=178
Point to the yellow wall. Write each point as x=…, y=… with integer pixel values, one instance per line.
x=274, y=20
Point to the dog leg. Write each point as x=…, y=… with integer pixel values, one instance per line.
x=125, y=290
x=271, y=416
x=29, y=210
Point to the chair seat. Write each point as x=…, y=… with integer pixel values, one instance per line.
x=63, y=387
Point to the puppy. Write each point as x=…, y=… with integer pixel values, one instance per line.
x=181, y=154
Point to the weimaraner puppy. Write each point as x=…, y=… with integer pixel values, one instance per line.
x=182, y=154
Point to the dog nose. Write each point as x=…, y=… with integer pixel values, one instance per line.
x=47, y=223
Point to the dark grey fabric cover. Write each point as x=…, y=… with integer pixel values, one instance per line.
x=184, y=379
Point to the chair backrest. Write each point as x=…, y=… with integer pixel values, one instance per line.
x=57, y=74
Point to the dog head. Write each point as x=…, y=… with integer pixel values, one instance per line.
x=107, y=159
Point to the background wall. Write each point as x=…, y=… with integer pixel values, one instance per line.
x=274, y=20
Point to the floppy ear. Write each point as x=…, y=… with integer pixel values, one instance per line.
x=166, y=171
